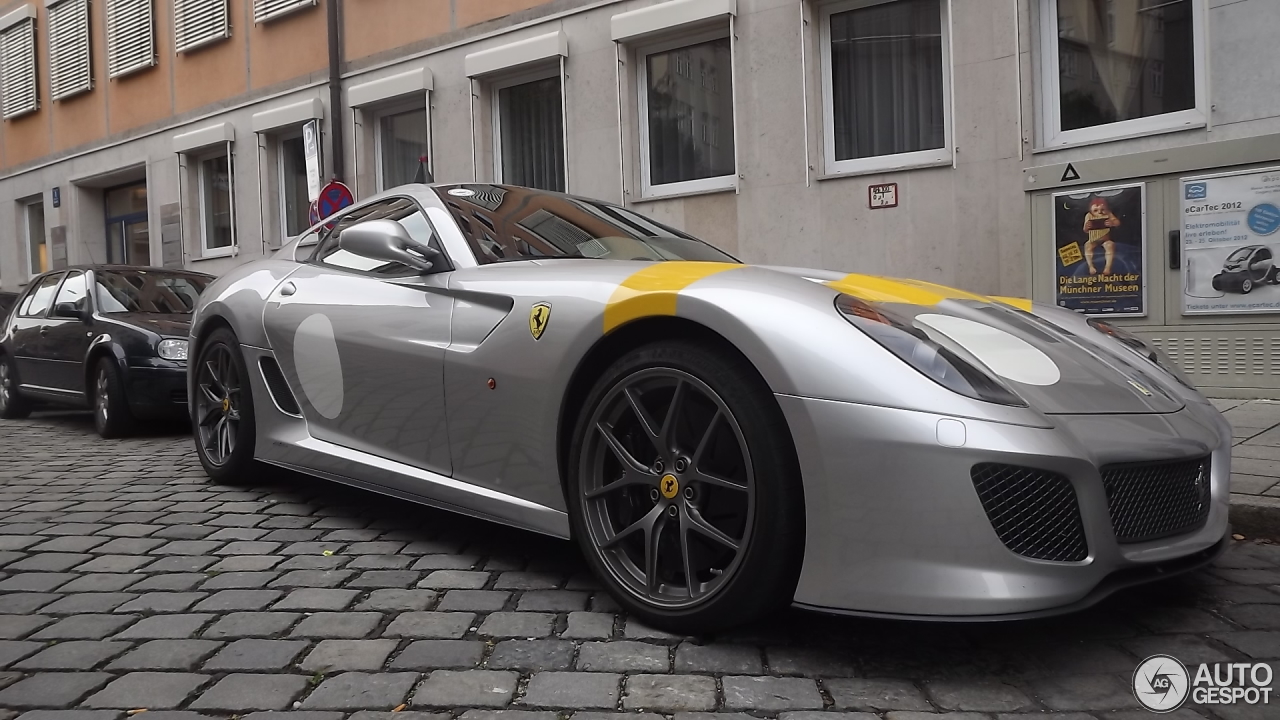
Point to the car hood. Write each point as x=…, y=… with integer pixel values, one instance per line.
x=164, y=325
x=1056, y=370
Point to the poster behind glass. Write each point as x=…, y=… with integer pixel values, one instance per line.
x=1100, y=243
x=1229, y=237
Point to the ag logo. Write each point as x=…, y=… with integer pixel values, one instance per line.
x=1161, y=683
x=539, y=316
x=669, y=486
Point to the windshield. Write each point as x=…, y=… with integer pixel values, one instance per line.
x=503, y=224
x=148, y=291
x=1240, y=254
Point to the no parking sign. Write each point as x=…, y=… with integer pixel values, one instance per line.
x=333, y=197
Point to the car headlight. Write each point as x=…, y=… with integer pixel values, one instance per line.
x=1142, y=348
x=172, y=349
x=914, y=347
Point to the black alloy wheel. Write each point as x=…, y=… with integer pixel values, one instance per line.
x=111, y=415
x=222, y=410
x=12, y=405
x=685, y=497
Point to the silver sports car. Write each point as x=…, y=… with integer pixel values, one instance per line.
x=721, y=439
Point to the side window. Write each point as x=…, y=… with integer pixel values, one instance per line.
x=402, y=210
x=1264, y=254
x=39, y=300
x=74, y=290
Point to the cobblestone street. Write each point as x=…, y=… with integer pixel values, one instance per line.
x=129, y=582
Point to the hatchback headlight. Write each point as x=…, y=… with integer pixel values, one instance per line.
x=172, y=349
x=914, y=347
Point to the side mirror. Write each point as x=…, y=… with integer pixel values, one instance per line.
x=387, y=240
x=69, y=310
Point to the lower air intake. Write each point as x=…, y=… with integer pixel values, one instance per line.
x=1034, y=512
x=1154, y=500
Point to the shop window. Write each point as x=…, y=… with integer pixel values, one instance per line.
x=217, y=221
x=530, y=133
x=886, y=85
x=402, y=148
x=1147, y=61
x=686, y=115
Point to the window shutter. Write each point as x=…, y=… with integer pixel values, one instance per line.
x=69, y=69
x=18, y=69
x=264, y=10
x=131, y=37
x=199, y=22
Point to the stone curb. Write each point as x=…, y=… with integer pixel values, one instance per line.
x=1255, y=516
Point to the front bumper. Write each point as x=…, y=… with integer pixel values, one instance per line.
x=157, y=387
x=895, y=526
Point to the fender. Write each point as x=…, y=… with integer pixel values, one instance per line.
x=104, y=342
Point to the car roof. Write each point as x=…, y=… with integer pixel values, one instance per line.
x=125, y=268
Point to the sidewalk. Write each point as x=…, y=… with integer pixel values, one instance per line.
x=1255, y=466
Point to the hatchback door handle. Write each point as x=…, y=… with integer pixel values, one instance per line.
x=288, y=289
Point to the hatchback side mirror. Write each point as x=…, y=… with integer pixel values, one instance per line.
x=70, y=310
x=388, y=240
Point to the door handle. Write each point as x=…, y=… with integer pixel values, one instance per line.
x=44, y=331
x=288, y=289
x=1175, y=249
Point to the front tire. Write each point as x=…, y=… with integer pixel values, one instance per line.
x=1246, y=286
x=12, y=405
x=684, y=489
x=111, y=415
x=222, y=418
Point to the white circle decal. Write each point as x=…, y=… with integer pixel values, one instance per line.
x=1161, y=683
x=1007, y=355
x=315, y=355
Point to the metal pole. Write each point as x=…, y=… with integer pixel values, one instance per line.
x=622, y=145
x=733, y=78
x=332, y=8
x=564, y=121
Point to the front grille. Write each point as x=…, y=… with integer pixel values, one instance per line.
x=1154, y=500
x=1034, y=512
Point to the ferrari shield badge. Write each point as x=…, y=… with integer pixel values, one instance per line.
x=539, y=316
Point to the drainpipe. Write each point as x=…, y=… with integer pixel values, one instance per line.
x=338, y=163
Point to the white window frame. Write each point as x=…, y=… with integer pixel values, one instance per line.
x=294, y=133
x=686, y=187
x=390, y=110
x=497, y=85
x=221, y=151
x=1052, y=134
x=30, y=272
x=897, y=161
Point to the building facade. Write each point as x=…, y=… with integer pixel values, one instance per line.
x=966, y=142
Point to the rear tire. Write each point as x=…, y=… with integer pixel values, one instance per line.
x=694, y=524
x=111, y=415
x=222, y=420
x=13, y=406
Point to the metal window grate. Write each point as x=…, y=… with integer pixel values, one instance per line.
x=18, y=69
x=131, y=36
x=1154, y=500
x=70, y=72
x=1034, y=512
x=199, y=22
x=264, y=10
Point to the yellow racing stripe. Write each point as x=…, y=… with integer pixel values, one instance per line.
x=909, y=292
x=1022, y=304
x=653, y=290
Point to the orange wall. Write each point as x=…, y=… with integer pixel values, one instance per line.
x=470, y=12
x=385, y=24
x=83, y=118
x=290, y=46
x=145, y=96
x=214, y=72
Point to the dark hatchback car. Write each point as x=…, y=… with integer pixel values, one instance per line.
x=108, y=337
x=7, y=300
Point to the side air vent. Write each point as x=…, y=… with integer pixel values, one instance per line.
x=1033, y=511
x=278, y=388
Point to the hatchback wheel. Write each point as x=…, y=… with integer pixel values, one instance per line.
x=111, y=415
x=12, y=405
x=1246, y=286
x=684, y=491
x=222, y=410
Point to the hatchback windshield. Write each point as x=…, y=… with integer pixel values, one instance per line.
x=148, y=291
x=1240, y=254
x=503, y=223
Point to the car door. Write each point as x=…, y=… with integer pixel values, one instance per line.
x=29, y=331
x=362, y=343
x=66, y=340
